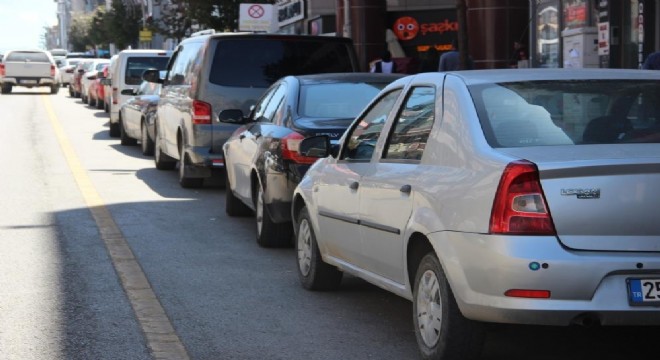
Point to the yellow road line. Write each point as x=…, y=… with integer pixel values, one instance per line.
x=162, y=340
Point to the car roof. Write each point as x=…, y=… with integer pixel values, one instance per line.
x=473, y=77
x=264, y=36
x=346, y=77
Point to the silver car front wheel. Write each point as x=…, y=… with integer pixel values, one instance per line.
x=314, y=274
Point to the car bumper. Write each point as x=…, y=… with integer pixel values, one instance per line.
x=203, y=163
x=28, y=81
x=583, y=285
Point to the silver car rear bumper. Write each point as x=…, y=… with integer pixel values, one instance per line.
x=584, y=285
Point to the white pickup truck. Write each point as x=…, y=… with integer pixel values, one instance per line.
x=29, y=68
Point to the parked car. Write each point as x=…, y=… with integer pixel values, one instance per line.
x=107, y=85
x=211, y=73
x=96, y=89
x=126, y=73
x=261, y=158
x=90, y=76
x=525, y=196
x=81, y=68
x=137, y=116
x=65, y=76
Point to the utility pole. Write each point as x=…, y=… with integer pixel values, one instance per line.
x=461, y=15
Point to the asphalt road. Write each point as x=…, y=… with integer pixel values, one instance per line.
x=224, y=296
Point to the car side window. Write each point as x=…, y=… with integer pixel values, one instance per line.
x=362, y=138
x=274, y=103
x=412, y=126
x=179, y=74
x=260, y=107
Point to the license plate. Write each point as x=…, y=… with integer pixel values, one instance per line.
x=644, y=291
x=28, y=81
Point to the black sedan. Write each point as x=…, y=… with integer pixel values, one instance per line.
x=262, y=161
x=137, y=116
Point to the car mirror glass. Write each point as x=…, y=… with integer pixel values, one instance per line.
x=232, y=116
x=315, y=146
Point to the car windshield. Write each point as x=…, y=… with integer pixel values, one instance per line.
x=336, y=100
x=136, y=65
x=260, y=62
x=573, y=112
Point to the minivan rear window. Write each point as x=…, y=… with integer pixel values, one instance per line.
x=260, y=62
x=136, y=65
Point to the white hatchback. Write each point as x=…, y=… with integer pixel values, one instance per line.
x=527, y=196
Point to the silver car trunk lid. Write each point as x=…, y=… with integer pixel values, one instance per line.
x=601, y=197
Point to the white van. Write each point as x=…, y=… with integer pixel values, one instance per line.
x=126, y=73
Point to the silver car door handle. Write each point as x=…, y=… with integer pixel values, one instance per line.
x=354, y=185
x=241, y=137
x=406, y=189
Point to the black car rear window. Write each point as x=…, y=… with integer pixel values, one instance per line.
x=136, y=65
x=261, y=62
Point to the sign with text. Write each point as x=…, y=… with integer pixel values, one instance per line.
x=257, y=18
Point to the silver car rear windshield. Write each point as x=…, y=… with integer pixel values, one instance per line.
x=27, y=56
x=575, y=112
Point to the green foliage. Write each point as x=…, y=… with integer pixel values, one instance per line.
x=79, y=32
x=120, y=25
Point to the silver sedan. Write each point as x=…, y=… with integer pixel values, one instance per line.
x=526, y=196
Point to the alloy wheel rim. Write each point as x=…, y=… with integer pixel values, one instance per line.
x=304, y=247
x=429, y=308
x=260, y=211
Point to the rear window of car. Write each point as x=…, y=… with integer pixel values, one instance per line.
x=568, y=112
x=27, y=56
x=336, y=100
x=261, y=62
x=136, y=65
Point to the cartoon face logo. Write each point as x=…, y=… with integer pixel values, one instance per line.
x=406, y=28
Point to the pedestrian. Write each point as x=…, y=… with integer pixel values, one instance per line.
x=451, y=60
x=652, y=62
x=385, y=64
x=519, y=58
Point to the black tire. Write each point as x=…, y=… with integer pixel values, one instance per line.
x=125, y=139
x=146, y=144
x=6, y=89
x=441, y=330
x=99, y=104
x=233, y=205
x=71, y=93
x=184, y=180
x=83, y=98
x=106, y=106
x=162, y=161
x=91, y=102
x=269, y=233
x=314, y=274
x=54, y=89
x=114, y=130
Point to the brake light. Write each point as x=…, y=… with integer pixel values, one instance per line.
x=52, y=70
x=114, y=96
x=519, y=206
x=290, y=146
x=2, y=69
x=201, y=113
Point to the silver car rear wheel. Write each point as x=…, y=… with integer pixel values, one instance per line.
x=441, y=330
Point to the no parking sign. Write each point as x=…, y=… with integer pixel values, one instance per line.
x=258, y=18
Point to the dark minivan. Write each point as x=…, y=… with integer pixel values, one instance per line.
x=212, y=72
